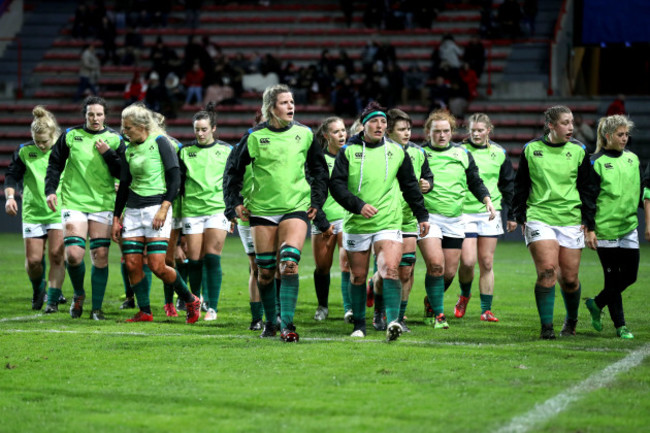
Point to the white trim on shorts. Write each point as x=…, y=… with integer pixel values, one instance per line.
x=567, y=236
x=32, y=230
x=198, y=224
x=441, y=226
x=246, y=239
x=70, y=216
x=629, y=240
x=481, y=224
x=138, y=223
x=362, y=242
x=338, y=227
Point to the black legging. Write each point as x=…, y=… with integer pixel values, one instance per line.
x=620, y=266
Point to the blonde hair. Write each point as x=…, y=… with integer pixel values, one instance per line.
x=479, y=118
x=608, y=126
x=45, y=122
x=152, y=122
x=439, y=115
x=270, y=97
x=356, y=127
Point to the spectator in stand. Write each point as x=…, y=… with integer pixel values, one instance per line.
x=140, y=15
x=195, y=51
x=133, y=45
x=439, y=94
x=470, y=79
x=88, y=71
x=175, y=96
x=475, y=55
x=106, y=33
x=458, y=98
x=345, y=61
x=192, y=9
x=414, y=83
x=161, y=11
x=155, y=94
x=347, y=7
x=617, y=106
x=135, y=89
x=450, y=52
x=509, y=19
x=583, y=132
x=375, y=14
x=194, y=84
x=395, y=77
x=164, y=59
x=529, y=9
x=345, y=98
x=80, y=25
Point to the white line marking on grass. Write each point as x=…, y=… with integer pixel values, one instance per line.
x=550, y=408
x=15, y=319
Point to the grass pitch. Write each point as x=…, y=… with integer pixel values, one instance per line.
x=62, y=375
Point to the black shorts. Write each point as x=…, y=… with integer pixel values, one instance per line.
x=260, y=221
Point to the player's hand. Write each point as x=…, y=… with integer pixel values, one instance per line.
x=329, y=232
x=11, y=207
x=489, y=207
x=52, y=202
x=311, y=213
x=116, y=230
x=159, y=218
x=368, y=211
x=101, y=146
x=242, y=213
x=511, y=226
x=424, y=228
x=425, y=186
x=590, y=239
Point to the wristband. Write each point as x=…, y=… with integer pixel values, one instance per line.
x=10, y=197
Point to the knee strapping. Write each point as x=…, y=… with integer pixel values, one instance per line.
x=99, y=243
x=266, y=260
x=408, y=259
x=157, y=247
x=132, y=247
x=289, y=254
x=77, y=241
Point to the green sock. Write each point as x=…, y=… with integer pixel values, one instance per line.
x=374, y=267
x=181, y=289
x=214, y=277
x=195, y=275
x=278, y=284
x=345, y=292
x=435, y=288
x=267, y=293
x=77, y=274
x=142, y=295
x=545, y=300
x=322, y=286
x=181, y=268
x=572, y=302
x=148, y=274
x=257, y=310
x=392, y=298
x=486, y=303
x=402, y=310
x=98, y=280
x=358, y=301
x=169, y=293
x=204, y=282
x=53, y=296
x=128, y=290
x=466, y=289
x=37, y=284
x=288, y=298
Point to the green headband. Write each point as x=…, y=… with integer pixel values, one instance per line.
x=373, y=114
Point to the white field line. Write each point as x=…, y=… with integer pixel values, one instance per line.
x=255, y=336
x=544, y=412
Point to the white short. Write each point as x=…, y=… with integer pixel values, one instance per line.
x=630, y=240
x=480, y=224
x=177, y=223
x=198, y=224
x=338, y=227
x=138, y=222
x=568, y=236
x=38, y=230
x=246, y=239
x=105, y=217
x=449, y=227
x=363, y=242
